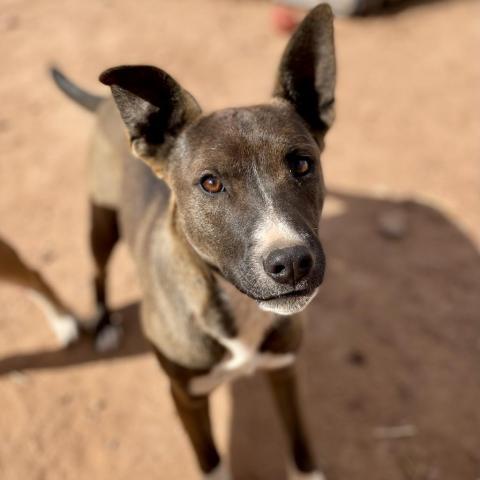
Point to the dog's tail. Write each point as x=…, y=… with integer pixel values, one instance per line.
x=85, y=99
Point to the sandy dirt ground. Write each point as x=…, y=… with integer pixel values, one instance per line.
x=394, y=335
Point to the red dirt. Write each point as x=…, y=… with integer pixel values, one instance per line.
x=394, y=335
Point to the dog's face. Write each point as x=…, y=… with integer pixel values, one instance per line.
x=249, y=191
x=247, y=181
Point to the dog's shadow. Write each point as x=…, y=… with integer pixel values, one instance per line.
x=132, y=343
x=391, y=339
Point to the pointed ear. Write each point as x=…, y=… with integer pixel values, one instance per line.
x=307, y=72
x=153, y=106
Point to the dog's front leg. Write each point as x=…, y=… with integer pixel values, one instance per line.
x=195, y=416
x=284, y=389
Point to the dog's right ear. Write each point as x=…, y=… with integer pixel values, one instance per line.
x=307, y=72
x=154, y=108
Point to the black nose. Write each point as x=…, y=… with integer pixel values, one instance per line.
x=289, y=265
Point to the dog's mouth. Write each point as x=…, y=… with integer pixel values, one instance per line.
x=305, y=292
x=288, y=303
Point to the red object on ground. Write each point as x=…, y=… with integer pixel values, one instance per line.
x=284, y=19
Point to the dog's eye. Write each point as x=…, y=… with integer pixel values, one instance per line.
x=300, y=166
x=212, y=184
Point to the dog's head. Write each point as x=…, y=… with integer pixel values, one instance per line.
x=247, y=181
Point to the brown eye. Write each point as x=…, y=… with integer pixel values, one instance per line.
x=211, y=184
x=299, y=166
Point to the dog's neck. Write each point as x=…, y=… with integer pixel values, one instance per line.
x=205, y=295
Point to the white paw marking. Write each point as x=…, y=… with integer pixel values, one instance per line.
x=108, y=339
x=64, y=326
x=219, y=473
x=244, y=361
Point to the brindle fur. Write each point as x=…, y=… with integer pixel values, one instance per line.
x=183, y=239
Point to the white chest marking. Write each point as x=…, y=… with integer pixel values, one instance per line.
x=296, y=475
x=244, y=360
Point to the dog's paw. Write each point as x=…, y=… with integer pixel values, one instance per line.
x=64, y=325
x=108, y=338
x=220, y=472
x=296, y=475
x=65, y=328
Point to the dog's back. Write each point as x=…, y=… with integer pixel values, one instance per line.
x=119, y=181
x=116, y=180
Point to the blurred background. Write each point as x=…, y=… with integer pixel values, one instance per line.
x=390, y=369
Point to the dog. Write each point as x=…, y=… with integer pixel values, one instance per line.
x=16, y=271
x=235, y=194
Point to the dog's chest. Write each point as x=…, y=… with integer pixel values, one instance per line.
x=244, y=357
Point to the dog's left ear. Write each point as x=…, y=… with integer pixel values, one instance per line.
x=154, y=108
x=307, y=72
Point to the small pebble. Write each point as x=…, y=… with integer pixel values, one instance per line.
x=65, y=399
x=100, y=405
x=9, y=22
x=395, y=432
x=113, y=444
x=393, y=224
x=357, y=358
x=4, y=125
x=48, y=256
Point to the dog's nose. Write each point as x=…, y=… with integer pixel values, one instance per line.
x=288, y=265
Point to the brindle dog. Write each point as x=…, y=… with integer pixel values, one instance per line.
x=236, y=193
